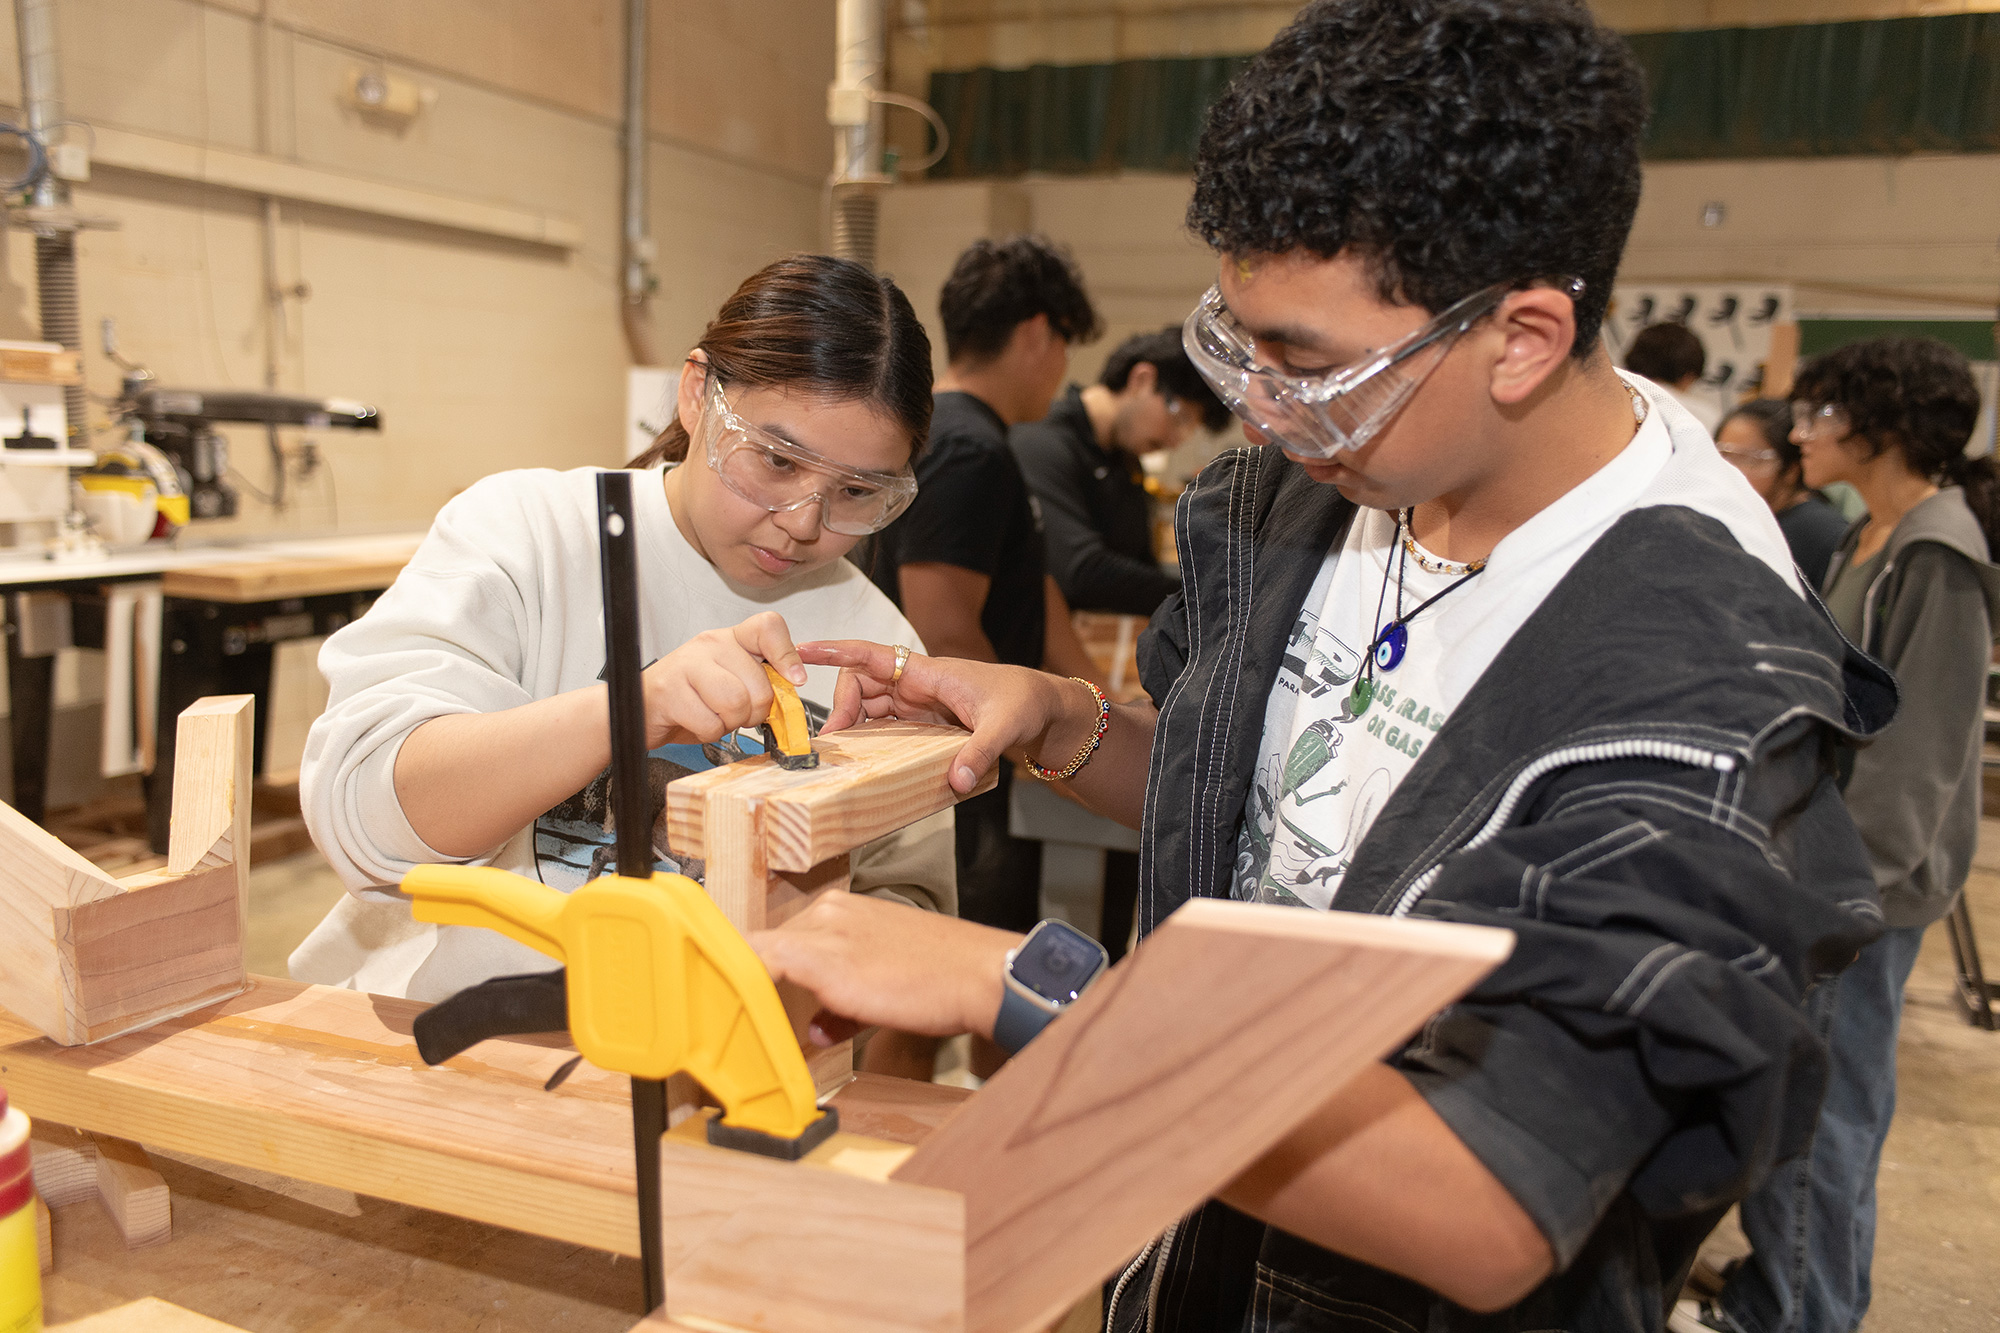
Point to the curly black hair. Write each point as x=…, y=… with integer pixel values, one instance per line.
x=1162, y=350
x=1912, y=394
x=996, y=285
x=1454, y=144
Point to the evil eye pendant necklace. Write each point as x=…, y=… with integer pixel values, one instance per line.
x=1392, y=641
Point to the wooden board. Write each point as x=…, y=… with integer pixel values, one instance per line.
x=151, y=1315
x=326, y=1086
x=45, y=1241
x=871, y=781
x=32, y=363
x=886, y=1257
x=1229, y=1026
x=269, y=580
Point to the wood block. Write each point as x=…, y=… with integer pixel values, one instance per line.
x=45, y=1240
x=1230, y=1025
x=133, y=1192
x=151, y=1315
x=65, y=1163
x=38, y=874
x=871, y=781
x=28, y=363
x=168, y=946
x=83, y=956
x=884, y=1256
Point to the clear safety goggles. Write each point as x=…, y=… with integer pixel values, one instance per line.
x=775, y=474
x=1811, y=420
x=1323, y=414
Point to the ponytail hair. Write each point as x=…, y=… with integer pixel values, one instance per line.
x=820, y=326
x=1980, y=480
x=1916, y=395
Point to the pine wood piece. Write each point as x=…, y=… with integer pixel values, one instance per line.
x=871, y=781
x=39, y=363
x=1230, y=1025
x=886, y=1257
x=133, y=1192
x=84, y=957
x=45, y=1240
x=150, y=1315
x=326, y=1086
x=269, y=580
x=65, y=1163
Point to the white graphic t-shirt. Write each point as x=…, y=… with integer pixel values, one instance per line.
x=1327, y=766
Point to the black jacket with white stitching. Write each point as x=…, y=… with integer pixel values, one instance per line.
x=1642, y=787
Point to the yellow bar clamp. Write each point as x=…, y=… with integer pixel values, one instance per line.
x=659, y=982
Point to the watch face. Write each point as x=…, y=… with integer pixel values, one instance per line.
x=1057, y=961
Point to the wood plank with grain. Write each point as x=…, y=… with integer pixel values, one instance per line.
x=149, y=1315
x=1228, y=1026
x=886, y=1257
x=326, y=1086
x=269, y=580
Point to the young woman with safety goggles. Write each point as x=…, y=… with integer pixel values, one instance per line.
x=466, y=718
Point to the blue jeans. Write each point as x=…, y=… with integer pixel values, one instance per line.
x=1812, y=1224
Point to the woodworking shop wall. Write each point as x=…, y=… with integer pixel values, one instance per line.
x=1908, y=232
x=458, y=267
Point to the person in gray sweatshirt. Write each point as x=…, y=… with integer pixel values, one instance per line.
x=1913, y=584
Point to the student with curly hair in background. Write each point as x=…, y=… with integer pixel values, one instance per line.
x=1913, y=584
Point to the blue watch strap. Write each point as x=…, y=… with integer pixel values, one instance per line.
x=1020, y=1021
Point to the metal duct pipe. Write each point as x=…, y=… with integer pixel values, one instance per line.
x=41, y=84
x=860, y=55
x=55, y=242
x=639, y=252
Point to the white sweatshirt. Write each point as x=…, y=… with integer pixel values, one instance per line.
x=501, y=607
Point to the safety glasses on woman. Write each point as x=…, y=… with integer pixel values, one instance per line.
x=778, y=474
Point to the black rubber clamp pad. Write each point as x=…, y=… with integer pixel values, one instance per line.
x=791, y=763
x=770, y=1145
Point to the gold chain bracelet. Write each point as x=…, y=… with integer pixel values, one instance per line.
x=1089, y=747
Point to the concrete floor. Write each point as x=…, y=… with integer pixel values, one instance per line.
x=1937, y=1259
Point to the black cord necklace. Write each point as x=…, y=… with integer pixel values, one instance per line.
x=1392, y=641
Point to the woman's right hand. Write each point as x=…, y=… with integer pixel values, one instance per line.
x=1006, y=708
x=715, y=684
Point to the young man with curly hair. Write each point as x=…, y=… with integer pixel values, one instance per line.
x=1486, y=633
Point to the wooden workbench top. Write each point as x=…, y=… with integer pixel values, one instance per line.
x=272, y=1255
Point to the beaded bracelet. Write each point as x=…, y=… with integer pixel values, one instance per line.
x=1089, y=747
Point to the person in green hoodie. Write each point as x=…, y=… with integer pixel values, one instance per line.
x=1913, y=584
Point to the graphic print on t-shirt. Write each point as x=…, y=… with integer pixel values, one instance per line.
x=1324, y=772
x=576, y=840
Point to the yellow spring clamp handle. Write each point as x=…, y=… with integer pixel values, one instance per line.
x=658, y=981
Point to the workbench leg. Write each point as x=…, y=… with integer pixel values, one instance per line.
x=31, y=678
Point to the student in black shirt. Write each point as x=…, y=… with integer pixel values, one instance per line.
x=965, y=561
x=1082, y=463
x=1757, y=438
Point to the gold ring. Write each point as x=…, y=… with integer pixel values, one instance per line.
x=902, y=660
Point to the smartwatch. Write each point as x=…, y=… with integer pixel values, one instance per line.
x=1044, y=973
